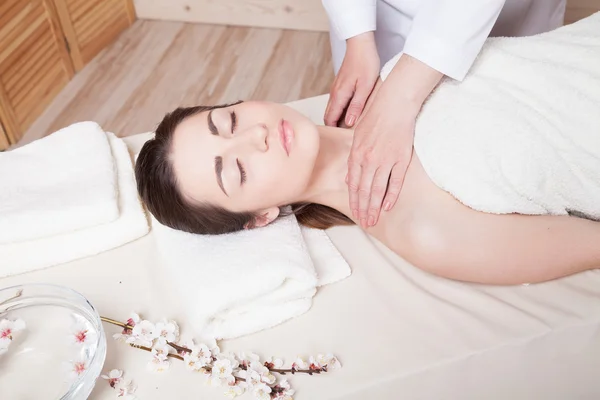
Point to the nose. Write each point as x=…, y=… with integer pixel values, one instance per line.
x=255, y=136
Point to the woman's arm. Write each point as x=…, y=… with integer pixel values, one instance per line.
x=435, y=232
x=451, y=240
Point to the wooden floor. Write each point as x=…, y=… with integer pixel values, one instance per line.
x=156, y=66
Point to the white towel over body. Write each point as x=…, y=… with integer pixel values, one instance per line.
x=60, y=183
x=521, y=134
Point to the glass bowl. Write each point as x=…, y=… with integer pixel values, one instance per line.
x=58, y=345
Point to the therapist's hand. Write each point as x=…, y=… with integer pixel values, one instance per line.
x=381, y=151
x=354, y=82
x=383, y=139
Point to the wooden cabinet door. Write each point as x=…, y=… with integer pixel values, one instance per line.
x=91, y=25
x=34, y=62
x=4, y=143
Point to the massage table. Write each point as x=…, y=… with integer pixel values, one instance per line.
x=399, y=332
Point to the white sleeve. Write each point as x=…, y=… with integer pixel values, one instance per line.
x=448, y=35
x=349, y=18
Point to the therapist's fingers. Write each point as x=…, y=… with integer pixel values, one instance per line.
x=396, y=181
x=353, y=181
x=358, y=102
x=370, y=100
x=364, y=194
x=378, y=189
x=340, y=96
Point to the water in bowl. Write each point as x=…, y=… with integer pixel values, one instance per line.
x=46, y=358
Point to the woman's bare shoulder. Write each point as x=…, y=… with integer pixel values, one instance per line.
x=417, y=227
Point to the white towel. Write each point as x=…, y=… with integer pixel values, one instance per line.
x=60, y=183
x=521, y=134
x=131, y=224
x=236, y=284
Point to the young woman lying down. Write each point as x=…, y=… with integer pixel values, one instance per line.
x=503, y=186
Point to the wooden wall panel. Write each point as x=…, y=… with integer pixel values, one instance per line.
x=34, y=62
x=578, y=9
x=283, y=14
x=91, y=25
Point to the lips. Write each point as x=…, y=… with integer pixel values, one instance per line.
x=286, y=135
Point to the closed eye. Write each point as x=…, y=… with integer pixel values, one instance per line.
x=233, y=121
x=242, y=172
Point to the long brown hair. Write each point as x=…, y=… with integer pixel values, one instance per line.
x=157, y=186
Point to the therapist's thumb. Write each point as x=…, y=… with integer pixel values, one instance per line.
x=358, y=102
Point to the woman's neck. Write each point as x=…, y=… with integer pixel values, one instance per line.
x=328, y=186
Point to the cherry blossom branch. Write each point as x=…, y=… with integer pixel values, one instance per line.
x=238, y=372
x=177, y=356
x=125, y=326
x=310, y=371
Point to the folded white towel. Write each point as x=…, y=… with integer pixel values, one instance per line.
x=63, y=182
x=521, y=134
x=131, y=224
x=236, y=284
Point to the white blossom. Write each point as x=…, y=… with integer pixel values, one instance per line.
x=132, y=321
x=222, y=373
x=166, y=331
x=251, y=376
x=246, y=358
x=8, y=328
x=234, y=391
x=80, y=334
x=142, y=334
x=329, y=360
x=265, y=374
x=126, y=392
x=262, y=392
x=287, y=393
x=160, y=360
x=76, y=368
x=229, y=357
x=198, y=358
x=113, y=377
x=158, y=365
x=300, y=363
x=277, y=362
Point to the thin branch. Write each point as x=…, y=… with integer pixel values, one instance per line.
x=179, y=348
x=117, y=323
x=297, y=371
x=137, y=346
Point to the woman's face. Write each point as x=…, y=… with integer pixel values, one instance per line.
x=248, y=157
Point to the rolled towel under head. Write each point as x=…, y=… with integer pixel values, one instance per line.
x=240, y=283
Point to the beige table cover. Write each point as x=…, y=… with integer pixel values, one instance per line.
x=400, y=333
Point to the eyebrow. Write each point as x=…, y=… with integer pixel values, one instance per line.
x=218, y=173
x=211, y=125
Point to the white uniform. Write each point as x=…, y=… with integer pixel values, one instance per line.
x=445, y=34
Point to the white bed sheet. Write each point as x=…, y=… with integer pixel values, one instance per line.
x=400, y=333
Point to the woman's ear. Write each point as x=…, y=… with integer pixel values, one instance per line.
x=264, y=218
